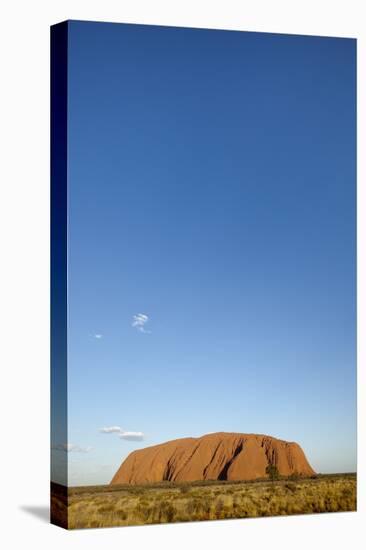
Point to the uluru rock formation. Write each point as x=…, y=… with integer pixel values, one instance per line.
x=217, y=456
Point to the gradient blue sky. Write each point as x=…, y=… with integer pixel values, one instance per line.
x=212, y=187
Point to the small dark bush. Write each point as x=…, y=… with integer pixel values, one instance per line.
x=272, y=472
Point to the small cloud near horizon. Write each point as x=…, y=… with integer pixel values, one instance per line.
x=71, y=448
x=139, y=321
x=110, y=430
x=98, y=336
x=123, y=434
x=132, y=436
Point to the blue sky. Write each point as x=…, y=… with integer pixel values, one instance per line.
x=212, y=189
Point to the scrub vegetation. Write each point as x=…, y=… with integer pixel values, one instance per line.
x=106, y=506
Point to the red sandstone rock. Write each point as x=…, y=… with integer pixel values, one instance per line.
x=218, y=456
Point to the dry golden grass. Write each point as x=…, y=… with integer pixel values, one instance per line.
x=124, y=505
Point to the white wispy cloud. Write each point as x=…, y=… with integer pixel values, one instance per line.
x=123, y=434
x=110, y=430
x=132, y=436
x=98, y=336
x=139, y=321
x=71, y=448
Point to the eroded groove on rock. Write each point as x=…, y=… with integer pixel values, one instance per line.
x=223, y=473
